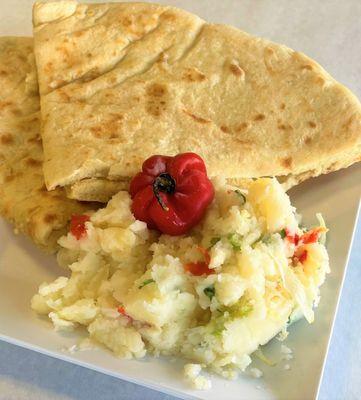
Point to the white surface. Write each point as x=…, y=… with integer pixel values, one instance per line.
x=331, y=35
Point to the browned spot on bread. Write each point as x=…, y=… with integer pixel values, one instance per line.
x=308, y=67
x=156, y=99
x=35, y=140
x=284, y=127
x=31, y=162
x=96, y=131
x=156, y=90
x=311, y=124
x=348, y=123
x=320, y=80
x=4, y=104
x=197, y=118
x=236, y=70
x=193, y=75
x=259, y=117
x=16, y=112
x=286, y=162
x=7, y=139
x=282, y=106
x=9, y=178
x=308, y=140
x=89, y=55
x=3, y=73
x=242, y=126
x=49, y=218
x=225, y=129
x=78, y=33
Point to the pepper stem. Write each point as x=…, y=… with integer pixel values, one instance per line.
x=163, y=183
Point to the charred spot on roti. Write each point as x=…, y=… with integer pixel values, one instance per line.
x=31, y=162
x=49, y=218
x=287, y=162
x=282, y=106
x=35, y=140
x=7, y=139
x=16, y=112
x=307, y=67
x=242, y=126
x=284, y=127
x=311, y=124
x=197, y=118
x=225, y=129
x=259, y=117
x=156, y=102
x=193, y=75
x=3, y=73
x=9, y=178
x=78, y=33
x=4, y=104
x=236, y=70
x=308, y=140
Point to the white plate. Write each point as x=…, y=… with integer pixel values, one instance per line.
x=23, y=268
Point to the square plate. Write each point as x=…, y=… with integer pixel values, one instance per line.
x=23, y=268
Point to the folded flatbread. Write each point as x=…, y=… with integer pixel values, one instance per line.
x=24, y=200
x=122, y=81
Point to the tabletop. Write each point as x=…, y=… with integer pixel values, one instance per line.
x=330, y=32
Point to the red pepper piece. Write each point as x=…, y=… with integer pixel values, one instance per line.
x=303, y=256
x=171, y=194
x=292, y=238
x=201, y=267
x=313, y=235
x=121, y=310
x=77, y=225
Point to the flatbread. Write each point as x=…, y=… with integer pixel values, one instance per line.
x=96, y=189
x=24, y=200
x=122, y=81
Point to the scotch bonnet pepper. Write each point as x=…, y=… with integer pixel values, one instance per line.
x=171, y=194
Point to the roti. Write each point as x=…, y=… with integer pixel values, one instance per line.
x=24, y=199
x=122, y=81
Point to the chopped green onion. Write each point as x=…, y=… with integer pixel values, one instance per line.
x=235, y=240
x=145, y=283
x=210, y=291
x=241, y=196
x=283, y=233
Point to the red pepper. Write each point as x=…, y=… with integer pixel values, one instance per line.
x=313, y=235
x=171, y=194
x=303, y=256
x=201, y=267
x=292, y=238
x=121, y=310
x=77, y=225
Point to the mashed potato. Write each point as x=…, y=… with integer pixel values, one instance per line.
x=131, y=289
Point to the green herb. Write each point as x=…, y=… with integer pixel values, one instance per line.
x=242, y=308
x=145, y=283
x=209, y=291
x=215, y=240
x=235, y=240
x=241, y=196
x=283, y=233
